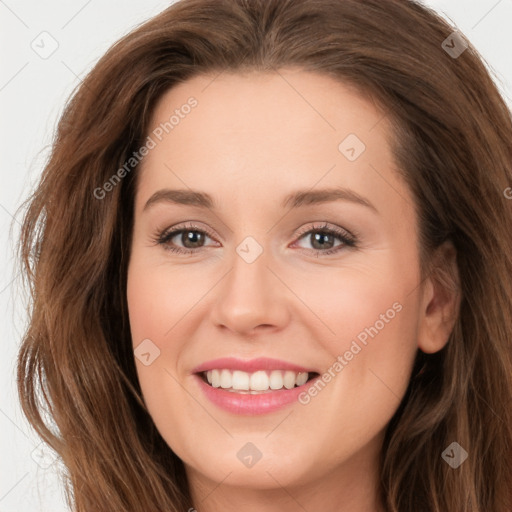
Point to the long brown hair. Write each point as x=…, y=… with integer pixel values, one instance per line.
x=452, y=140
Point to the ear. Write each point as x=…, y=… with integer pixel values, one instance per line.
x=440, y=301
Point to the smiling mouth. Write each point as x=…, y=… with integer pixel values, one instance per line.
x=261, y=381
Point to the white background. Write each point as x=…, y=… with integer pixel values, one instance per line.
x=32, y=94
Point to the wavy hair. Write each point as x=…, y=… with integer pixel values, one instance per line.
x=452, y=139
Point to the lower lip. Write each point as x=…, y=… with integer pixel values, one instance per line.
x=239, y=403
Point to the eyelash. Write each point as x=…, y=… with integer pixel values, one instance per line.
x=347, y=239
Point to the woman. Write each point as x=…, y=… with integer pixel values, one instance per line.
x=236, y=367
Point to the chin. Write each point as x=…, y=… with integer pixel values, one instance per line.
x=269, y=474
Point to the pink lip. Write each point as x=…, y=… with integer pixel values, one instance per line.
x=247, y=404
x=240, y=403
x=253, y=365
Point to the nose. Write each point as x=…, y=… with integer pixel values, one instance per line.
x=251, y=298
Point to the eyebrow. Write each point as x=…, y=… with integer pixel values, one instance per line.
x=294, y=200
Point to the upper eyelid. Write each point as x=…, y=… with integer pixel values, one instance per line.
x=325, y=225
x=179, y=228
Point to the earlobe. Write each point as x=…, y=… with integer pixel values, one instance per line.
x=441, y=298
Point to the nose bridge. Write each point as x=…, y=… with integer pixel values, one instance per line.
x=250, y=266
x=250, y=295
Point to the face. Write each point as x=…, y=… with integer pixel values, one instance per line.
x=299, y=261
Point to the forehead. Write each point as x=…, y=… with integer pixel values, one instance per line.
x=288, y=104
x=231, y=133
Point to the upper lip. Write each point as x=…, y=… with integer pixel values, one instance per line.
x=249, y=365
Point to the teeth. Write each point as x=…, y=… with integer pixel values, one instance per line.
x=258, y=381
x=302, y=378
x=240, y=380
x=289, y=380
x=225, y=379
x=276, y=380
x=216, y=378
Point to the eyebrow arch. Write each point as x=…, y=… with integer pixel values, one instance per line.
x=181, y=196
x=294, y=200
x=307, y=197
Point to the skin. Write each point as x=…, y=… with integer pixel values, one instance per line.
x=252, y=140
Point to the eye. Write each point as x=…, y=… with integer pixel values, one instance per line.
x=192, y=238
x=322, y=238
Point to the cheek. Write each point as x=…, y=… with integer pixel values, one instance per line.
x=373, y=316
x=359, y=305
x=372, y=381
x=155, y=307
x=159, y=298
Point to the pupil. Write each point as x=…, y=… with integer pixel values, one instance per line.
x=188, y=236
x=318, y=237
